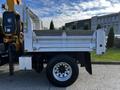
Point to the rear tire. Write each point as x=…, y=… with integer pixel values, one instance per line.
x=62, y=71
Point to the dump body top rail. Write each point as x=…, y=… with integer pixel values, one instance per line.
x=60, y=32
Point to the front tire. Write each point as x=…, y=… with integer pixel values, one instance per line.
x=62, y=71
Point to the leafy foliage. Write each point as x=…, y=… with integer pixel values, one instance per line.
x=110, y=39
x=98, y=26
x=52, y=25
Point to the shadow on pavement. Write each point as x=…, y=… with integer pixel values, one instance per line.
x=22, y=80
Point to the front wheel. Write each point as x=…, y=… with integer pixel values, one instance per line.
x=62, y=71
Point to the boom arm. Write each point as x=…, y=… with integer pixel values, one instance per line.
x=11, y=23
x=11, y=3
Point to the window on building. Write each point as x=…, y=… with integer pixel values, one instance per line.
x=73, y=27
x=117, y=17
x=105, y=20
x=110, y=19
x=98, y=20
x=113, y=18
x=104, y=26
x=101, y=20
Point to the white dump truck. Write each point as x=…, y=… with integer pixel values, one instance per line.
x=61, y=51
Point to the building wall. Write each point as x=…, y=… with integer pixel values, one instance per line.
x=79, y=25
x=106, y=22
x=38, y=25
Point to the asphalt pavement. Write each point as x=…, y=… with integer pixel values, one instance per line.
x=105, y=77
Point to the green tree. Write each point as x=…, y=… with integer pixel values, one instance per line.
x=98, y=26
x=52, y=25
x=110, y=39
x=63, y=27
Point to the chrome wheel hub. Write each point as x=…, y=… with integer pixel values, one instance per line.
x=62, y=71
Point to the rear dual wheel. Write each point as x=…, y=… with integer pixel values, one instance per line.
x=62, y=71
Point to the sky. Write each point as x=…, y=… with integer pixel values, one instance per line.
x=63, y=11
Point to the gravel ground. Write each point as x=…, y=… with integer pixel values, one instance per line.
x=105, y=77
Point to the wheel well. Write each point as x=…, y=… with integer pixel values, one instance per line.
x=84, y=58
x=78, y=56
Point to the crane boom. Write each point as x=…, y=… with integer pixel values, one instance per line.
x=11, y=30
x=11, y=3
x=11, y=19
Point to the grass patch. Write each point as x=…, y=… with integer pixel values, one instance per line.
x=111, y=55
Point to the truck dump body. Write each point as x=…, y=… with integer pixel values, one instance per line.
x=63, y=40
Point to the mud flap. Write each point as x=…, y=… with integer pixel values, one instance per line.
x=87, y=62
